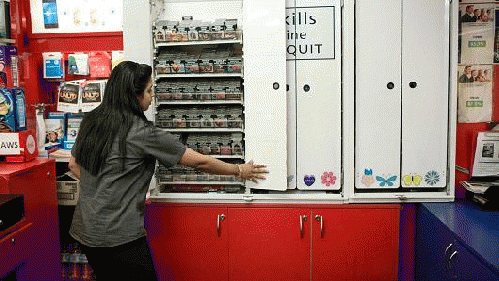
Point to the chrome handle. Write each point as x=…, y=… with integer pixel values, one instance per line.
x=319, y=218
x=302, y=219
x=301, y=225
x=446, y=249
x=450, y=259
x=13, y=240
x=219, y=218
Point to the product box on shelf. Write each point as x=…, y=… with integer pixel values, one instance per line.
x=12, y=110
x=53, y=65
x=8, y=67
x=54, y=130
x=72, y=128
x=68, y=189
x=18, y=146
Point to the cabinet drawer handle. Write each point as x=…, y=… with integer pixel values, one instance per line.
x=302, y=219
x=219, y=218
x=447, y=249
x=390, y=85
x=449, y=264
x=319, y=218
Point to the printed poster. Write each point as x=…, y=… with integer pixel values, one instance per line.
x=475, y=93
x=69, y=97
x=69, y=16
x=477, y=30
x=91, y=95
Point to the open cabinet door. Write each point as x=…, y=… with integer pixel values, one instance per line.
x=264, y=58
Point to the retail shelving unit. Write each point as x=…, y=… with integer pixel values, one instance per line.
x=200, y=99
x=344, y=129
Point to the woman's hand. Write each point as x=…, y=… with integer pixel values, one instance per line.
x=251, y=171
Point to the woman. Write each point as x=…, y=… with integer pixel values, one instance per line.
x=114, y=157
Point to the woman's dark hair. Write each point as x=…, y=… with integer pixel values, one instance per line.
x=114, y=117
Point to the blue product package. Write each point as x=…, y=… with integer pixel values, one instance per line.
x=7, y=112
x=53, y=68
x=12, y=110
x=20, y=107
x=72, y=128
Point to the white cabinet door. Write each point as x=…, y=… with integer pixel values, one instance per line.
x=314, y=78
x=402, y=132
x=378, y=93
x=425, y=98
x=265, y=89
x=318, y=119
x=291, y=125
x=291, y=92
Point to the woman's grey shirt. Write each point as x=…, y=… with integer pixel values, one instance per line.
x=111, y=205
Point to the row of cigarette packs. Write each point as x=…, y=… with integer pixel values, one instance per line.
x=197, y=66
x=220, y=144
x=224, y=89
x=195, y=30
x=181, y=174
x=200, y=121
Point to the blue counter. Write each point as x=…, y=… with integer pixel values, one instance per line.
x=477, y=229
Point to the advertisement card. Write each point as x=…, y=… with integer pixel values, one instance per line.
x=477, y=23
x=91, y=95
x=475, y=93
x=69, y=96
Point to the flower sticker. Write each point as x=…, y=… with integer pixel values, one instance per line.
x=431, y=178
x=367, y=178
x=328, y=178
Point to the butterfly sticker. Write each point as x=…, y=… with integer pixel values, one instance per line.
x=388, y=182
x=409, y=180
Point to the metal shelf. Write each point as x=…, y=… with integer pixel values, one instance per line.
x=195, y=43
x=201, y=75
x=228, y=156
x=211, y=102
x=203, y=130
x=202, y=182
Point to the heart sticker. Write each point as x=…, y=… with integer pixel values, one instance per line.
x=309, y=180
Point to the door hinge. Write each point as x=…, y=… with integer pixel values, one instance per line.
x=248, y=197
x=401, y=197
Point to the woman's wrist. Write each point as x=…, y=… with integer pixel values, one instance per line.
x=240, y=171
